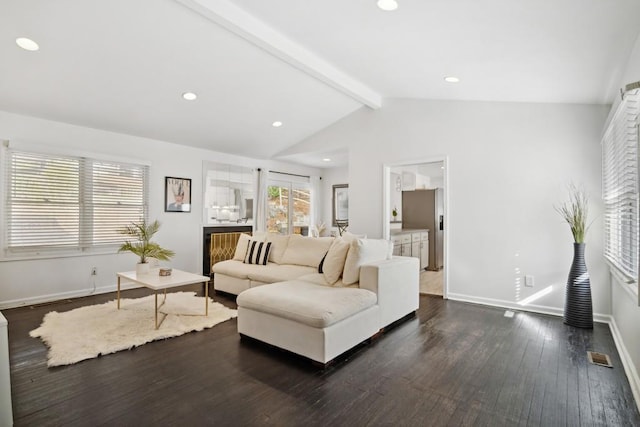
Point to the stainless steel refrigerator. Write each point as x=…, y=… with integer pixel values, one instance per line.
x=424, y=209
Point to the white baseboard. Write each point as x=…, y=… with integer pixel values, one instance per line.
x=627, y=363
x=542, y=309
x=41, y=299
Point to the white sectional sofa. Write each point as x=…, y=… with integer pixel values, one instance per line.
x=291, y=256
x=290, y=304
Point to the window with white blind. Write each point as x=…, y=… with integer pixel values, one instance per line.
x=62, y=204
x=620, y=187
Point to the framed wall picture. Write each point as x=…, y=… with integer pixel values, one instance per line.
x=177, y=194
x=340, y=204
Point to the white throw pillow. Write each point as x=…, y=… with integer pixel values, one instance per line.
x=241, y=247
x=363, y=251
x=279, y=244
x=334, y=261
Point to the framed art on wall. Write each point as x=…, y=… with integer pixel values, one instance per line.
x=177, y=194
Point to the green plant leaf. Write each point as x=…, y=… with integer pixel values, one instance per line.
x=141, y=245
x=575, y=211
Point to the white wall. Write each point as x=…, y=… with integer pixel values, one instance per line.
x=41, y=280
x=625, y=310
x=331, y=177
x=502, y=219
x=395, y=194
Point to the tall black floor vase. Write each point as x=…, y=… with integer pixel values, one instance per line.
x=578, y=310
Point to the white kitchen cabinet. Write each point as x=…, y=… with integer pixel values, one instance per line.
x=424, y=250
x=405, y=239
x=397, y=245
x=415, y=249
x=415, y=245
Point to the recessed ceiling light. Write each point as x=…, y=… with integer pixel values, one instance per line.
x=326, y=159
x=451, y=79
x=276, y=124
x=189, y=96
x=388, y=5
x=27, y=44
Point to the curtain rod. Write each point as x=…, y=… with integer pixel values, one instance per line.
x=291, y=174
x=630, y=86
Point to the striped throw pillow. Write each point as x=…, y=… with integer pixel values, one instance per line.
x=257, y=252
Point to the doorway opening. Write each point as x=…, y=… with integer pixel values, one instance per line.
x=416, y=217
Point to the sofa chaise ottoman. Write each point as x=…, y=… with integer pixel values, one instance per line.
x=318, y=322
x=361, y=290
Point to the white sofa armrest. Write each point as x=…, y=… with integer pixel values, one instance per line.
x=396, y=282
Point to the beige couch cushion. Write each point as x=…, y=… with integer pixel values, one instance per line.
x=306, y=250
x=318, y=279
x=259, y=235
x=272, y=272
x=237, y=269
x=241, y=247
x=269, y=273
x=334, y=260
x=308, y=303
x=278, y=246
x=363, y=251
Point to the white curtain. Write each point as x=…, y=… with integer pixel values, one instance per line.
x=260, y=207
x=316, y=205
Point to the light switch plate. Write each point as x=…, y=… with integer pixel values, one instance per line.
x=528, y=281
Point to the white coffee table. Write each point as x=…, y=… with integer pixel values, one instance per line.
x=157, y=282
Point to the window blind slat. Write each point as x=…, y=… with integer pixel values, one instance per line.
x=620, y=186
x=58, y=203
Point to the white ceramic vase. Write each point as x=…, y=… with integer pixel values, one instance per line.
x=142, y=268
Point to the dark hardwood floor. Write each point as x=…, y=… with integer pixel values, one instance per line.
x=453, y=364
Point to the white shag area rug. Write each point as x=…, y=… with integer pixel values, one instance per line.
x=88, y=332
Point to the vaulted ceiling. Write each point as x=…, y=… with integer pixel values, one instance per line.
x=123, y=65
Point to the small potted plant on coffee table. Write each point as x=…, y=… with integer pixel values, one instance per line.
x=142, y=246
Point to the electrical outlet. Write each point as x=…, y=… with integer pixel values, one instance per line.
x=528, y=281
x=94, y=271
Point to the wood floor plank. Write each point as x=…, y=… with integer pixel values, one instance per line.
x=453, y=364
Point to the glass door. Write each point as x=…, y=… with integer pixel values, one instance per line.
x=288, y=207
x=278, y=207
x=301, y=208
